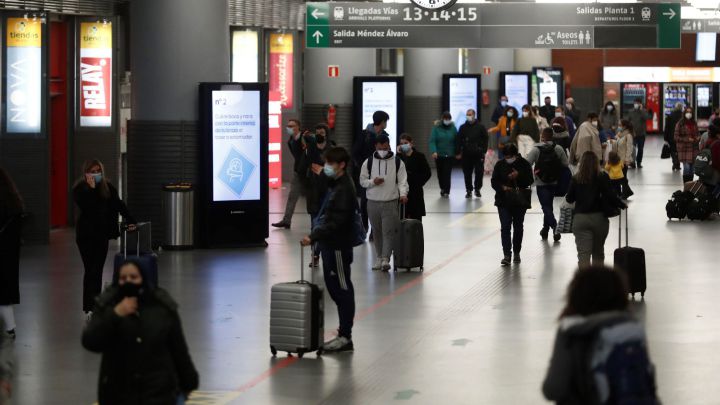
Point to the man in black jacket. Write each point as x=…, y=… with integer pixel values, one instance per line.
x=334, y=235
x=499, y=110
x=669, y=133
x=547, y=111
x=472, y=144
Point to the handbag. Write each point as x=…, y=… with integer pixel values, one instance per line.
x=518, y=197
x=565, y=222
x=665, y=154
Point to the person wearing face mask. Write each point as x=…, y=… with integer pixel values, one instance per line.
x=608, y=119
x=418, y=174
x=137, y=329
x=686, y=138
x=548, y=110
x=587, y=139
x=568, y=124
x=504, y=129
x=384, y=178
x=526, y=132
x=511, y=180
x=99, y=205
x=669, y=133
x=442, y=148
x=295, y=143
x=638, y=117
x=472, y=144
x=499, y=111
x=624, y=145
x=316, y=182
x=335, y=239
x=572, y=111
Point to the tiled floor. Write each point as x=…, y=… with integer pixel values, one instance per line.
x=464, y=332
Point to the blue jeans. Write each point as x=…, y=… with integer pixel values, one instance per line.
x=688, y=169
x=546, y=195
x=639, y=142
x=511, y=218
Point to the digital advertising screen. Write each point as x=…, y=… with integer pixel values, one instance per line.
x=549, y=81
x=236, y=148
x=516, y=88
x=96, y=74
x=462, y=95
x=245, y=56
x=381, y=96
x=23, y=67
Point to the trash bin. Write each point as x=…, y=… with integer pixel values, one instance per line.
x=179, y=211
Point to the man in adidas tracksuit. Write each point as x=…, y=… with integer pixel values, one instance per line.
x=384, y=177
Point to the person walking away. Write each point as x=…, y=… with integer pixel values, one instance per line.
x=363, y=148
x=472, y=145
x=418, y=174
x=99, y=205
x=511, y=180
x=499, y=111
x=296, y=186
x=6, y=365
x=137, y=329
x=542, y=122
x=442, y=148
x=316, y=181
x=587, y=139
x=593, y=196
x=384, y=177
x=504, y=129
x=526, y=133
x=638, y=116
x=548, y=160
x=669, y=133
x=614, y=168
x=11, y=211
x=571, y=111
x=597, y=315
x=686, y=139
x=548, y=110
x=334, y=236
x=624, y=147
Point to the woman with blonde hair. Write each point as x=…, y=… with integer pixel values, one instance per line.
x=100, y=205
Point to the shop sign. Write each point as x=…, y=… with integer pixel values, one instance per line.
x=95, y=74
x=281, y=67
x=23, y=90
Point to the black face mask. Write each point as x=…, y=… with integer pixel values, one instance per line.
x=320, y=138
x=131, y=290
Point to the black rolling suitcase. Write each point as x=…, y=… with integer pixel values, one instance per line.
x=631, y=261
x=409, y=246
x=297, y=316
x=147, y=261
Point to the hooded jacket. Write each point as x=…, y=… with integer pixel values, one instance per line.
x=442, y=140
x=566, y=382
x=395, y=184
x=586, y=139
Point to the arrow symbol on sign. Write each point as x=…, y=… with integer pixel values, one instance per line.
x=670, y=13
x=317, y=35
x=317, y=13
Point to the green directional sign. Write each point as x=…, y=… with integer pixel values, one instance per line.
x=669, y=26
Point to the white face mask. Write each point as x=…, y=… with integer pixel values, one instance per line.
x=525, y=114
x=610, y=108
x=510, y=114
x=558, y=114
x=470, y=118
x=688, y=116
x=289, y=131
x=569, y=106
x=382, y=153
x=594, y=123
x=637, y=106
x=447, y=122
x=510, y=160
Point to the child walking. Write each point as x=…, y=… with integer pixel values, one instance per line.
x=615, y=168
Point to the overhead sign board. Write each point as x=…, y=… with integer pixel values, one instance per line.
x=712, y=25
x=493, y=25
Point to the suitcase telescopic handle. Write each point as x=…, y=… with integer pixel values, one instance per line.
x=302, y=265
x=627, y=231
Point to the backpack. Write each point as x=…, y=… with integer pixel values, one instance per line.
x=677, y=206
x=620, y=366
x=397, y=166
x=548, y=165
x=703, y=167
x=699, y=208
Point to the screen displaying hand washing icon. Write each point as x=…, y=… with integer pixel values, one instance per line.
x=235, y=170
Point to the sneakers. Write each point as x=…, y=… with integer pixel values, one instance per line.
x=385, y=264
x=557, y=236
x=339, y=344
x=516, y=259
x=444, y=194
x=281, y=224
x=544, y=233
x=477, y=194
x=468, y=194
x=505, y=261
x=378, y=264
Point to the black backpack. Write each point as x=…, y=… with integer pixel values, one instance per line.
x=700, y=208
x=703, y=167
x=548, y=165
x=677, y=206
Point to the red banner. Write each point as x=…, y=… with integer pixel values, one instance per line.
x=95, y=92
x=275, y=141
x=281, y=67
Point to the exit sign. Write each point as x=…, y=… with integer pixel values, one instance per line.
x=333, y=71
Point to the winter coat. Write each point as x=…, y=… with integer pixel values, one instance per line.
x=145, y=359
x=418, y=173
x=336, y=232
x=624, y=146
x=534, y=156
x=503, y=129
x=638, y=118
x=608, y=121
x=575, y=115
x=500, y=178
x=442, y=140
x=566, y=382
x=686, y=138
x=548, y=111
x=588, y=198
x=497, y=114
x=526, y=126
x=315, y=184
x=472, y=140
x=98, y=217
x=296, y=150
x=670, y=123
x=586, y=139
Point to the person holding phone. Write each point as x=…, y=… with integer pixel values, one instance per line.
x=100, y=205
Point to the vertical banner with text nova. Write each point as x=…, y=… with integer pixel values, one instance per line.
x=96, y=74
x=24, y=75
x=281, y=67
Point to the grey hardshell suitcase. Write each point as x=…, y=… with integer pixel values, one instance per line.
x=297, y=316
x=409, y=249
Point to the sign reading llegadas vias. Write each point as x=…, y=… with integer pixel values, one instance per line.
x=281, y=67
x=95, y=74
x=24, y=75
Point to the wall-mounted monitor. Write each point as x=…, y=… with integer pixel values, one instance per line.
x=705, y=47
x=550, y=83
x=516, y=86
x=461, y=92
x=371, y=94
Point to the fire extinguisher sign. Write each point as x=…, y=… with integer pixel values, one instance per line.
x=333, y=71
